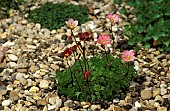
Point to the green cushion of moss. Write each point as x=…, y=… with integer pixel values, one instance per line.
x=53, y=16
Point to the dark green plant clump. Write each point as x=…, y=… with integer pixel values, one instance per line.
x=105, y=81
x=152, y=28
x=53, y=16
x=6, y=5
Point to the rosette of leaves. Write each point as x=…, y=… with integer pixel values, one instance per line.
x=152, y=28
x=6, y=5
x=105, y=82
x=53, y=16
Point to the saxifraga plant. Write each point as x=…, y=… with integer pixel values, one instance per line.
x=97, y=78
x=152, y=28
x=53, y=16
x=105, y=82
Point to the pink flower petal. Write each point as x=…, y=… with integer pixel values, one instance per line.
x=75, y=23
x=71, y=20
x=109, y=16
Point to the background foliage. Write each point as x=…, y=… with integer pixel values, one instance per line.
x=152, y=28
x=53, y=16
x=106, y=80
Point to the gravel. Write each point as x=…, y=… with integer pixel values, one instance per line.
x=28, y=69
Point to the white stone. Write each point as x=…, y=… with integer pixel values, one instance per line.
x=29, y=82
x=13, y=57
x=50, y=60
x=95, y=107
x=55, y=101
x=163, y=86
x=146, y=94
x=137, y=104
x=116, y=100
x=51, y=107
x=6, y=44
x=12, y=64
x=163, y=91
x=19, y=76
x=31, y=47
x=34, y=89
x=45, y=108
x=10, y=87
x=44, y=84
x=96, y=11
x=92, y=26
x=38, y=26
x=24, y=22
x=6, y=102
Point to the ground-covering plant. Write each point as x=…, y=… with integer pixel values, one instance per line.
x=53, y=16
x=101, y=77
x=152, y=28
x=6, y=5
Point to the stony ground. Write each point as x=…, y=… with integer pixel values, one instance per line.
x=28, y=71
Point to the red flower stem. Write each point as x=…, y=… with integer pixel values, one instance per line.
x=127, y=68
x=70, y=71
x=74, y=56
x=76, y=41
x=93, y=51
x=80, y=63
x=88, y=85
x=106, y=53
x=111, y=32
x=112, y=38
x=72, y=74
x=85, y=60
x=80, y=47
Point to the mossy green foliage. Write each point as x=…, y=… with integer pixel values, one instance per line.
x=105, y=82
x=6, y=5
x=152, y=28
x=53, y=16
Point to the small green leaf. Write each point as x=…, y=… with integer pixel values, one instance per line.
x=131, y=3
x=166, y=43
x=123, y=10
x=140, y=29
x=117, y=1
x=78, y=94
x=149, y=28
x=158, y=1
x=155, y=37
x=131, y=42
x=147, y=45
x=158, y=15
x=147, y=37
x=167, y=12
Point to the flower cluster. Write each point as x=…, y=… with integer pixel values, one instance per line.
x=85, y=36
x=68, y=51
x=92, y=69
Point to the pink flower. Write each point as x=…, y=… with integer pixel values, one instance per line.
x=113, y=18
x=104, y=40
x=71, y=23
x=128, y=56
x=86, y=74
